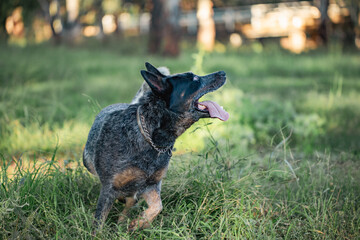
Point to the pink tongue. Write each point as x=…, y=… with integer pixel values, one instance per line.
x=215, y=110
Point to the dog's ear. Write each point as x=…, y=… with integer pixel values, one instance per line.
x=153, y=70
x=157, y=84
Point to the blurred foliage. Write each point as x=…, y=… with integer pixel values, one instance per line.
x=6, y=8
x=111, y=6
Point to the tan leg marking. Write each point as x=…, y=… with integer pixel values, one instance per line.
x=130, y=201
x=159, y=175
x=122, y=199
x=126, y=176
x=153, y=200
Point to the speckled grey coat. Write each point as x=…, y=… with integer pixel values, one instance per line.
x=117, y=151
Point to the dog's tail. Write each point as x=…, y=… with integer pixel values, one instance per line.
x=88, y=163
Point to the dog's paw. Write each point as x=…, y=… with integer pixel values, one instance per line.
x=138, y=224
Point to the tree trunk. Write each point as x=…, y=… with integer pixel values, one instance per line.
x=206, y=32
x=52, y=13
x=55, y=16
x=99, y=16
x=324, y=22
x=73, y=29
x=156, y=26
x=355, y=19
x=172, y=28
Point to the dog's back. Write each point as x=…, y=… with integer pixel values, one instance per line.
x=90, y=147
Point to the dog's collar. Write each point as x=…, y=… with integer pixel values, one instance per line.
x=145, y=132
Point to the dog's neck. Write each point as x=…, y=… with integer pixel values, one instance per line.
x=162, y=125
x=146, y=134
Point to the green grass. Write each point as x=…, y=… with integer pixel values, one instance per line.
x=207, y=196
x=235, y=180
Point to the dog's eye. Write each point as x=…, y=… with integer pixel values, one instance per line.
x=196, y=78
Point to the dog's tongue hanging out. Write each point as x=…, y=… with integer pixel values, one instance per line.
x=215, y=110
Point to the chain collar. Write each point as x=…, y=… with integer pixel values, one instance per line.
x=145, y=132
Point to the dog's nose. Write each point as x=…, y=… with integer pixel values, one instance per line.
x=221, y=73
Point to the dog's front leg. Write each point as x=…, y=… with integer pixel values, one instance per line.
x=130, y=201
x=153, y=200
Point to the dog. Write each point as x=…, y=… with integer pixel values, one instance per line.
x=129, y=146
x=145, y=87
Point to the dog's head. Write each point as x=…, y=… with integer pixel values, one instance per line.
x=183, y=91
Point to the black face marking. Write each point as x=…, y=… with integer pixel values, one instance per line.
x=181, y=92
x=185, y=88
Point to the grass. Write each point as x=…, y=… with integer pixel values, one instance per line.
x=284, y=166
x=208, y=196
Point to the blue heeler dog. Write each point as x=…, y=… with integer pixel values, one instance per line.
x=129, y=145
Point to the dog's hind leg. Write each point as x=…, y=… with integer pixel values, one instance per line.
x=105, y=202
x=130, y=201
x=153, y=200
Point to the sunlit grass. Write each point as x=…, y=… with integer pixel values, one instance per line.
x=71, y=136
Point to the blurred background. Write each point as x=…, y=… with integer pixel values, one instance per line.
x=293, y=69
x=297, y=25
